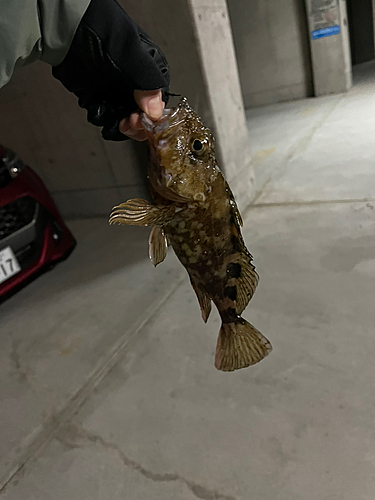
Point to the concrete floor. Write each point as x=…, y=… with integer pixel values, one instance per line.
x=108, y=387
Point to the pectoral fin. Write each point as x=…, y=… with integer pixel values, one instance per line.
x=203, y=299
x=140, y=212
x=157, y=245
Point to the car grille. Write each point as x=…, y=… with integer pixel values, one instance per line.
x=15, y=215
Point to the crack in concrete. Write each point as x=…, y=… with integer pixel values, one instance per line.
x=22, y=371
x=16, y=360
x=25, y=375
x=54, y=423
x=198, y=490
x=74, y=436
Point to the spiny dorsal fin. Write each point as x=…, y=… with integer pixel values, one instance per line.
x=234, y=207
x=138, y=212
x=237, y=213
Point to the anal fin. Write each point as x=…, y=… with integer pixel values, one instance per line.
x=203, y=299
x=138, y=212
x=157, y=245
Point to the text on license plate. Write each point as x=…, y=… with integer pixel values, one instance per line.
x=8, y=264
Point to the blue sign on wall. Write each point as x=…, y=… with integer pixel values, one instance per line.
x=332, y=30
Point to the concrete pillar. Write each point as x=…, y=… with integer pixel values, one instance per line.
x=219, y=68
x=196, y=37
x=330, y=47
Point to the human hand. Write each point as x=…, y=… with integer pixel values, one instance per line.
x=151, y=103
x=109, y=58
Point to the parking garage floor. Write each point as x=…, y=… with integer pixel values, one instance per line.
x=108, y=389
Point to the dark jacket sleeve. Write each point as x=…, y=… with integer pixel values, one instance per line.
x=110, y=57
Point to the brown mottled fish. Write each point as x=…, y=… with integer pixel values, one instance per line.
x=195, y=212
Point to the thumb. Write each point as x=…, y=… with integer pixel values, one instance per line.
x=150, y=102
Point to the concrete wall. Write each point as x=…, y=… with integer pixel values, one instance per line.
x=271, y=40
x=42, y=122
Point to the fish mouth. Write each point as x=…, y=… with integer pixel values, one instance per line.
x=161, y=131
x=160, y=135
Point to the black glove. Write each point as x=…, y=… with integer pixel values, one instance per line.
x=109, y=58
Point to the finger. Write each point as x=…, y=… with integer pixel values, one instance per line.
x=137, y=135
x=150, y=102
x=126, y=129
x=135, y=121
x=132, y=122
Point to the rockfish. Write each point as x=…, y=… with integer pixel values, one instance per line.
x=195, y=212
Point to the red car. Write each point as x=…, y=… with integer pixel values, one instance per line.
x=33, y=236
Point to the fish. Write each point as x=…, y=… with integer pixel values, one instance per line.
x=194, y=211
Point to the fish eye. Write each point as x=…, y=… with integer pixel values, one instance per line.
x=198, y=146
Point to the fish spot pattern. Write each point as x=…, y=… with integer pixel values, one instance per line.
x=231, y=292
x=229, y=315
x=234, y=270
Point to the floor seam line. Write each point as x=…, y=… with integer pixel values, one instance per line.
x=307, y=203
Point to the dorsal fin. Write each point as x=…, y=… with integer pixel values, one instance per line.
x=233, y=205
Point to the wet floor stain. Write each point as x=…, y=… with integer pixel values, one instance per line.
x=261, y=156
x=347, y=253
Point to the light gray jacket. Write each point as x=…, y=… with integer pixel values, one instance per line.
x=36, y=29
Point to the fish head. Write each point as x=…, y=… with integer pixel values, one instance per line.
x=183, y=165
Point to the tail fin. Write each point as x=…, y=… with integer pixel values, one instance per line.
x=240, y=345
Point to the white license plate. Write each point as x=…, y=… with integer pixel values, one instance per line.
x=8, y=264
